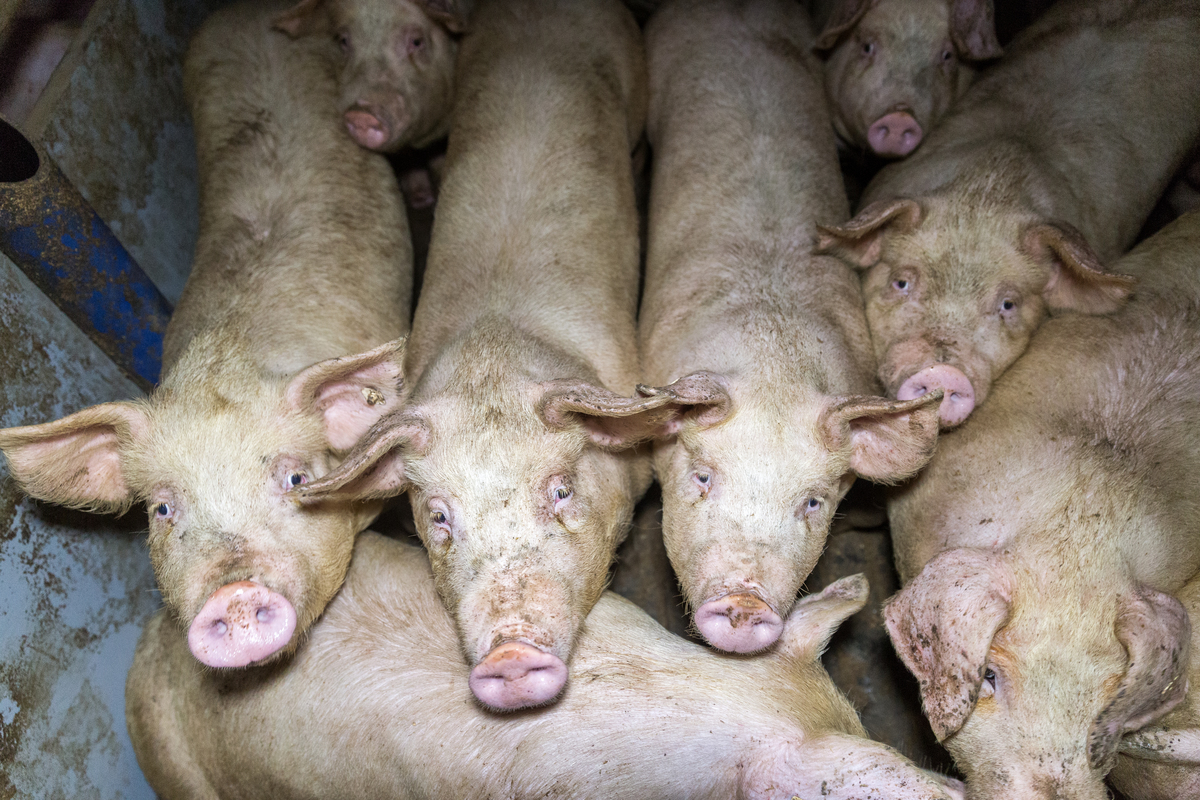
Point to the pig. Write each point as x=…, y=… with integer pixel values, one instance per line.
x=303, y=257
x=651, y=716
x=1043, y=172
x=894, y=67
x=761, y=347
x=516, y=441
x=396, y=86
x=1046, y=549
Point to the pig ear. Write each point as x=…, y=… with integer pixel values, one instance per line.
x=376, y=467
x=889, y=440
x=1155, y=630
x=840, y=766
x=352, y=393
x=701, y=397
x=942, y=625
x=844, y=16
x=860, y=241
x=815, y=618
x=973, y=30
x=307, y=16
x=450, y=14
x=76, y=461
x=1078, y=281
x=612, y=420
x=1174, y=745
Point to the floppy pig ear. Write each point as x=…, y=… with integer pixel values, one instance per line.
x=973, y=30
x=351, y=393
x=1078, y=281
x=375, y=468
x=450, y=14
x=844, y=16
x=76, y=461
x=307, y=16
x=860, y=240
x=1157, y=635
x=612, y=421
x=817, y=617
x=700, y=397
x=889, y=439
x=942, y=625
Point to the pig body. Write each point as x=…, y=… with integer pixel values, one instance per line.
x=396, y=86
x=523, y=345
x=1044, y=171
x=303, y=257
x=894, y=67
x=764, y=345
x=649, y=715
x=1043, y=547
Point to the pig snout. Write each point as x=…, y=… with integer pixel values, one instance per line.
x=739, y=623
x=959, y=401
x=896, y=134
x=517, y=675
x=241, y=623
x=369, y=125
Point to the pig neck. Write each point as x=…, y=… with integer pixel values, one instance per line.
x=1095, y=140
x=304, y=252
x=731, y=286
x=536, y=223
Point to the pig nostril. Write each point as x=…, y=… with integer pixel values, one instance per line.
x=263, y=615
x=220, y=627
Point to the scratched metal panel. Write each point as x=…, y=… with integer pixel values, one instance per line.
x=75, y=588
x=118, y=128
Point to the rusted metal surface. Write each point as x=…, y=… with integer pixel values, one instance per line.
x=75, y=588
x=57, y=239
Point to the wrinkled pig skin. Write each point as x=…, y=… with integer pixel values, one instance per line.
x=258, y=394
x=894, y=67
x=759, y=344
x=1042, y=173
x=1046, y=549
x=649, y=715
x=396, y=86
x=515, y=442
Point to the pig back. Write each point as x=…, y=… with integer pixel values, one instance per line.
x=744, y=163
x=304, y=250
x=536, y=220
x=1085, y=119
x=1101, y=413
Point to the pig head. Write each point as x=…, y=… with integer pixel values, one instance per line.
x=522, y=490
x=956, y=283
x=893, y=67
x=397, y=79
x=751, y=479
x=1029, y=675
x=242, y=565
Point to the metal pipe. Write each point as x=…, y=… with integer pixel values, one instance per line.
x=55, y=236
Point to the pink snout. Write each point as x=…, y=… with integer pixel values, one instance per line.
x=896, y=134
x=517, y=675
x=241, y=623
x=738, y=623
x=959, y=401
x=367, y=128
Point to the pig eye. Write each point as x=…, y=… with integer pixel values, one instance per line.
x=1007, y=304
x=947, y=56
x=296, y=478
x=163, y=510
x=343, y=40
x=439, y=515
x=868, y=48
x=988, y=687
x=901, y=285
x=415, y=43
x=703, y=479
x=560, y=493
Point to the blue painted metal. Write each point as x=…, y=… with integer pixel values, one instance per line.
x=54, y=235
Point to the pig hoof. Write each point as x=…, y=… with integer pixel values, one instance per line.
x=738, y=623
x=366, y=129
x=241, y=623
x=896, y=134
x=517, y=675
x=959, y=401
